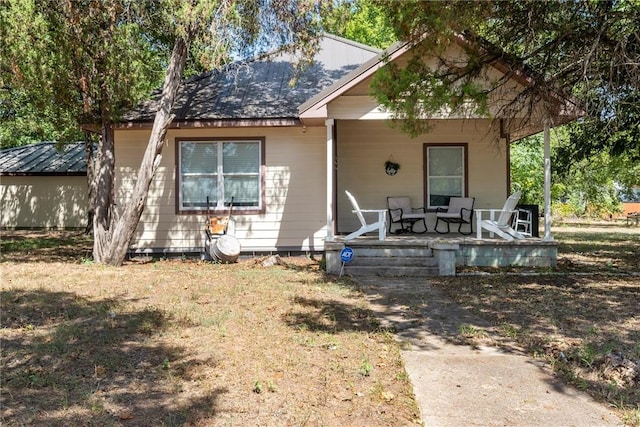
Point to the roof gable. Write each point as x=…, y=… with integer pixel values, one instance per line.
x=316, y=106
x=352, y=84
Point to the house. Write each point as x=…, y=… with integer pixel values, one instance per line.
x=287, y=153
x=42, y=186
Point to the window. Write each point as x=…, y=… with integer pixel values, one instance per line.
x=446, y=173
x=220, y=170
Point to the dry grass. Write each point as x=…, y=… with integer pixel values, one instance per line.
x=582, y=317
x=187, y=343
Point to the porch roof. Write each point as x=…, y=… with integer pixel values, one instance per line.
x=315, y=108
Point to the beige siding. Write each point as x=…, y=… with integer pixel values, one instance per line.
x=295, y=198
x=364, y=146
x=43, y=201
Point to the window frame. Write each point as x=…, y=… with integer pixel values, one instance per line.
x=219, y=208
x=465, y=178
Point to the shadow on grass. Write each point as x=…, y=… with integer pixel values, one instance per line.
x=331, y=316
x=612, y=251
x=586, y=327
x=45, y=246
x=67, y=360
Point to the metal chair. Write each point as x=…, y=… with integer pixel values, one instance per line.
x=401, y=212
x=460, y=211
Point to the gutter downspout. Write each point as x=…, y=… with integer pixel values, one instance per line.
x=330, y=185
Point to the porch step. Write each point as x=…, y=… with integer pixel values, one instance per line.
x=392, y=252
x=416, y=261
x=382, y=271
x=394, y=261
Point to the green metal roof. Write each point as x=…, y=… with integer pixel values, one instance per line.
x=44, y=159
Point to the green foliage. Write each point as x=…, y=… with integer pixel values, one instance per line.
x=527, y=170
x=361, y=21
x=65, y=64
x=366, y=368
x=578, y=48
x=417, y=91
x=21, y=123
x=587, y=187
x=591, y=187
x=420, y=89
x=76, y=62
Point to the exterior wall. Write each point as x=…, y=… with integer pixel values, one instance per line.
x=295, y=197
x=43, y=201
x=364, y=146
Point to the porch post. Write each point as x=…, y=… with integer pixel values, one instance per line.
x=330, y=185
x=547, y=181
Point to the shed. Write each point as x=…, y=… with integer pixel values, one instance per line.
x=43, y=186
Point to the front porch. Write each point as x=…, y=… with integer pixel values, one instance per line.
x=433, y=254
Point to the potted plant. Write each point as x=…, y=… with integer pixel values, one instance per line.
x=391, y=168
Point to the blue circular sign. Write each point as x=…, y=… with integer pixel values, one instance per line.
x=346, y=254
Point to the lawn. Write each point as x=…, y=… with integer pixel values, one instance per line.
x=582, y=317
x=181, y=342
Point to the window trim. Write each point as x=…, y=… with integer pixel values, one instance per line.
x=425, y=159
x=214, y=210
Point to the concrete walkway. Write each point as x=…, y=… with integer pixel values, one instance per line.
x=484, y=384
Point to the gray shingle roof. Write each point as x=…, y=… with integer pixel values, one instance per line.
x=260, y=89
x=44, y=159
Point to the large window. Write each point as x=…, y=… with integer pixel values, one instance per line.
x=446, y=173
x=220, y=170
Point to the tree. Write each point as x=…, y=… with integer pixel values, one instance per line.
x=361, y=21
x=593, y=186
x=578, y=48
x=527, y=170
x=93, y=60
x=21, y=123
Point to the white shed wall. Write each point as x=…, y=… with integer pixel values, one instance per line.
x=43, y=201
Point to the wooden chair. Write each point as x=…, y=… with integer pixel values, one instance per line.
x=501, y=227
x=459, y=211
x=401, y=212
x=379, y=225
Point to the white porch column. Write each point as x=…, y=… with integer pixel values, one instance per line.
x=330, y=160
x=547, y=181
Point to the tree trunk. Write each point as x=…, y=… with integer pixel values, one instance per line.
x=103, y=183
x=91, y=181
x=111, y=242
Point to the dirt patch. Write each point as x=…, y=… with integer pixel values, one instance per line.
x=173, y=342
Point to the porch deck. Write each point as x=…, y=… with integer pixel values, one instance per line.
x=432, y=254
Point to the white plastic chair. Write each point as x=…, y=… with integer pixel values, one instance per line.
x=379, y=225
x=501, y=227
